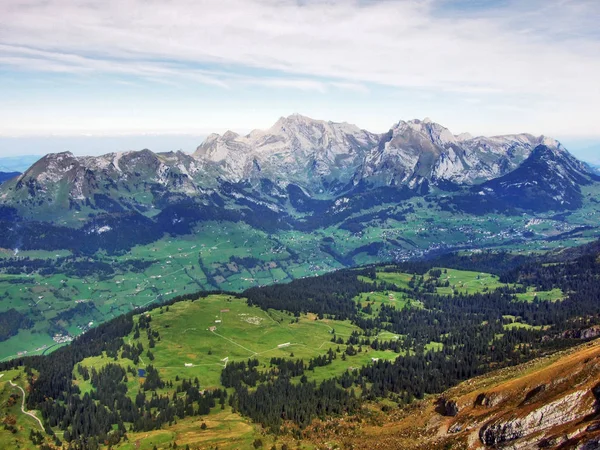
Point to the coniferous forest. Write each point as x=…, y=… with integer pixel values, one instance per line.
x=468, y=327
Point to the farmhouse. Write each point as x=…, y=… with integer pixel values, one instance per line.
x=212, y=329
x=188, y=365
x=287, y=344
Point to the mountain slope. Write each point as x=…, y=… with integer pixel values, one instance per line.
x=552, y=403
x=301, y=174
x=116, y=182
x=550, y=179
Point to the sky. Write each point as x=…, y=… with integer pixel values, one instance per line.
x=94, y=76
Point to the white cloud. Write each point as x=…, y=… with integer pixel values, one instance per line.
x=537, y=48
x=401, y=43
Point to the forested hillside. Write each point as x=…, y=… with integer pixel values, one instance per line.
x=314, y=348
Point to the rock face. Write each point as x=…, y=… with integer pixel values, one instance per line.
x=540, y=405
x=312, y=153
x=447, y=408
x=587, y=333
x=416, y=151
x=325, y=155
x=572, y=407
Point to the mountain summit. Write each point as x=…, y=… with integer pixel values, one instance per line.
x=296, y=149
x=320, y=155
x=550, y=179
x=416, y=151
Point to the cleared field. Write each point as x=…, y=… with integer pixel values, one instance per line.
x=461, y=281
x=224, y=429
x=466, y=282
x=189, y=346
x=401, y=280
x=521, y=325
x=398, y=300
x=554, y=295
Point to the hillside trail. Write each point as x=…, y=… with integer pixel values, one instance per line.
x=23, y=405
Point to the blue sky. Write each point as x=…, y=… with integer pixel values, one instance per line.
x=130, y=72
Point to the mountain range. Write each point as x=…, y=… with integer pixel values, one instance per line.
x=313, y=158
x=308, y=176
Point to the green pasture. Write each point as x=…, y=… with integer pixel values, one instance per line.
x=11, y=413
x=465, y=282
x=554, y=295
x=241, y=333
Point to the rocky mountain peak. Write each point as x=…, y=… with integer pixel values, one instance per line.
x=322, y=158
x=295, y=119
x=434, y=132
x=230, y=135
x=296, y=148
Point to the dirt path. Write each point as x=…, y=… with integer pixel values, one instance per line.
x=235, y=343
x=23, y=406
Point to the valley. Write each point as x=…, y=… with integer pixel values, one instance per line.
x=62, y=292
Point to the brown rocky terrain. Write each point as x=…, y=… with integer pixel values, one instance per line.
x=550, y=403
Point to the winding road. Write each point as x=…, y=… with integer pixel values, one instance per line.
x=23, y=405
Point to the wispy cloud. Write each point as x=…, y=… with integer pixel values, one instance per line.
x=539, y=48
x=534, y=49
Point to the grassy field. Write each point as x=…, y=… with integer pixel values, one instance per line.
x=466, y=282
x=521, y=325
x=224, y=429
x=461, y=281
x=398, y=300
x=545, y=296
x=240, y=333
x=401, y=280
x=188, y=348
x=11, y=416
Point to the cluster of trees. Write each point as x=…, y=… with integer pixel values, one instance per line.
x=108, y=405
x=280, y=400
x=11, y=321
x=72, y=266
x=329, y=294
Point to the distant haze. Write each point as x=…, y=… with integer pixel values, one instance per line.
x=17, y=153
